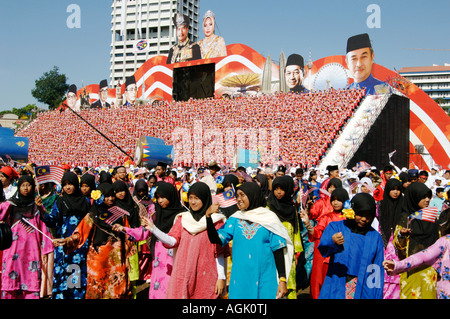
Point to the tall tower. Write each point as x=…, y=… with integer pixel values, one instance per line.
x=150, y=20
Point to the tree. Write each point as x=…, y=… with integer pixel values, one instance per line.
x=50, y=88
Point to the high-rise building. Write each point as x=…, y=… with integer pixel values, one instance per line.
x=144, y=28
x=433, y=80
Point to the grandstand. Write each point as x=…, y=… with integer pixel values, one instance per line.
x=306, y=125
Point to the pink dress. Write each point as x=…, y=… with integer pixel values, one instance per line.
x=162, y=264
x=194, y=274
x=21, y=263
x=391, y=288
x=437, y=256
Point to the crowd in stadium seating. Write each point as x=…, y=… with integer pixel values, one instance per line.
x=307, y=125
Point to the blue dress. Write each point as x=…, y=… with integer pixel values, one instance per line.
x=360, y=256
x=253, y=273
x=70, y=271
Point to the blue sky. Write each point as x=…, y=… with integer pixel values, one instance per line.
x=35, y=37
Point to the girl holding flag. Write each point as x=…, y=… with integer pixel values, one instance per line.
x=69, y=279
x=412, y=235
x=436, y=255
x=31, y=246
x=108, y=266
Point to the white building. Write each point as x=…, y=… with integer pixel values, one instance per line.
x=144, y=28
x=434, y=80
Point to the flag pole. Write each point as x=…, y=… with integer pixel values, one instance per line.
x=119, y=148
x=23, y=219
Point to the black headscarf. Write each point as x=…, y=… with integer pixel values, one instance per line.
x=423, y=233
x=127, y=203
x=23, y=206
x=141, y=185
x=89, y=180
x=74, y=204
x=264, y=181
x=254, y=194
x=336, y=182
x=362, y=202
x=164, y=216
x=103, y=232
x=20, y=200
x=104, y=177
x=284, y=208
x=341, y=194
x=404, y=177
x=233, y=181
x=390, y=210
x=202, y=191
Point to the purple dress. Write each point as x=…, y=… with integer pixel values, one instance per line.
x=437, y=256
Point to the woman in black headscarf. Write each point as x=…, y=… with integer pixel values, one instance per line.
x=281, y=202
x=263, y=182
x=389, y=213
x=198, y=270
x=125, y=201
x=259, y=241
x=69, y=210
x=87, y=185
x=412, y=236
x=26, y=263
x=107, y=259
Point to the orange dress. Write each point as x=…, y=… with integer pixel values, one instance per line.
x=107, y=266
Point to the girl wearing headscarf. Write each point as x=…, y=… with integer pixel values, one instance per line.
x=87, y=185
x=281, y=202
x=168, y=206
x=198, y=269
x=147, y=208
x=260, y=243
x=263, y=182
x=389, y=212
x=30, y=250
x=230, y=181
x=107, y=258
x=436, y=255
x=125, y=201
x=319, y=269
x=412, y=236
x=69, y=210
x=356, y=255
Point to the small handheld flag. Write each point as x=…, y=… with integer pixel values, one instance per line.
x=49, y=173
x=428, y=214
x=226, y=199
x=28, y=227
x=112, y=214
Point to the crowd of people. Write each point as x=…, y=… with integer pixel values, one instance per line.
x=337, y=234
x=306, y=126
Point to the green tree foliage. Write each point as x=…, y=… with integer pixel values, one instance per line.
x=50, y=88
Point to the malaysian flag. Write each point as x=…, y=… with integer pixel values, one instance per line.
x=49, y=173
x=226, y=199
x=362, y=166
x=428, y=214
x=112, y=214
x=26, y=225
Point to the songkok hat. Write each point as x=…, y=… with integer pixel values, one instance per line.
x=130, y=80
x=73, y=89
x=103, y=84
x=358, y=42
x=295, y=59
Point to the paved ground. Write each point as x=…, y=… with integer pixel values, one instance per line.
x=142, y=292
